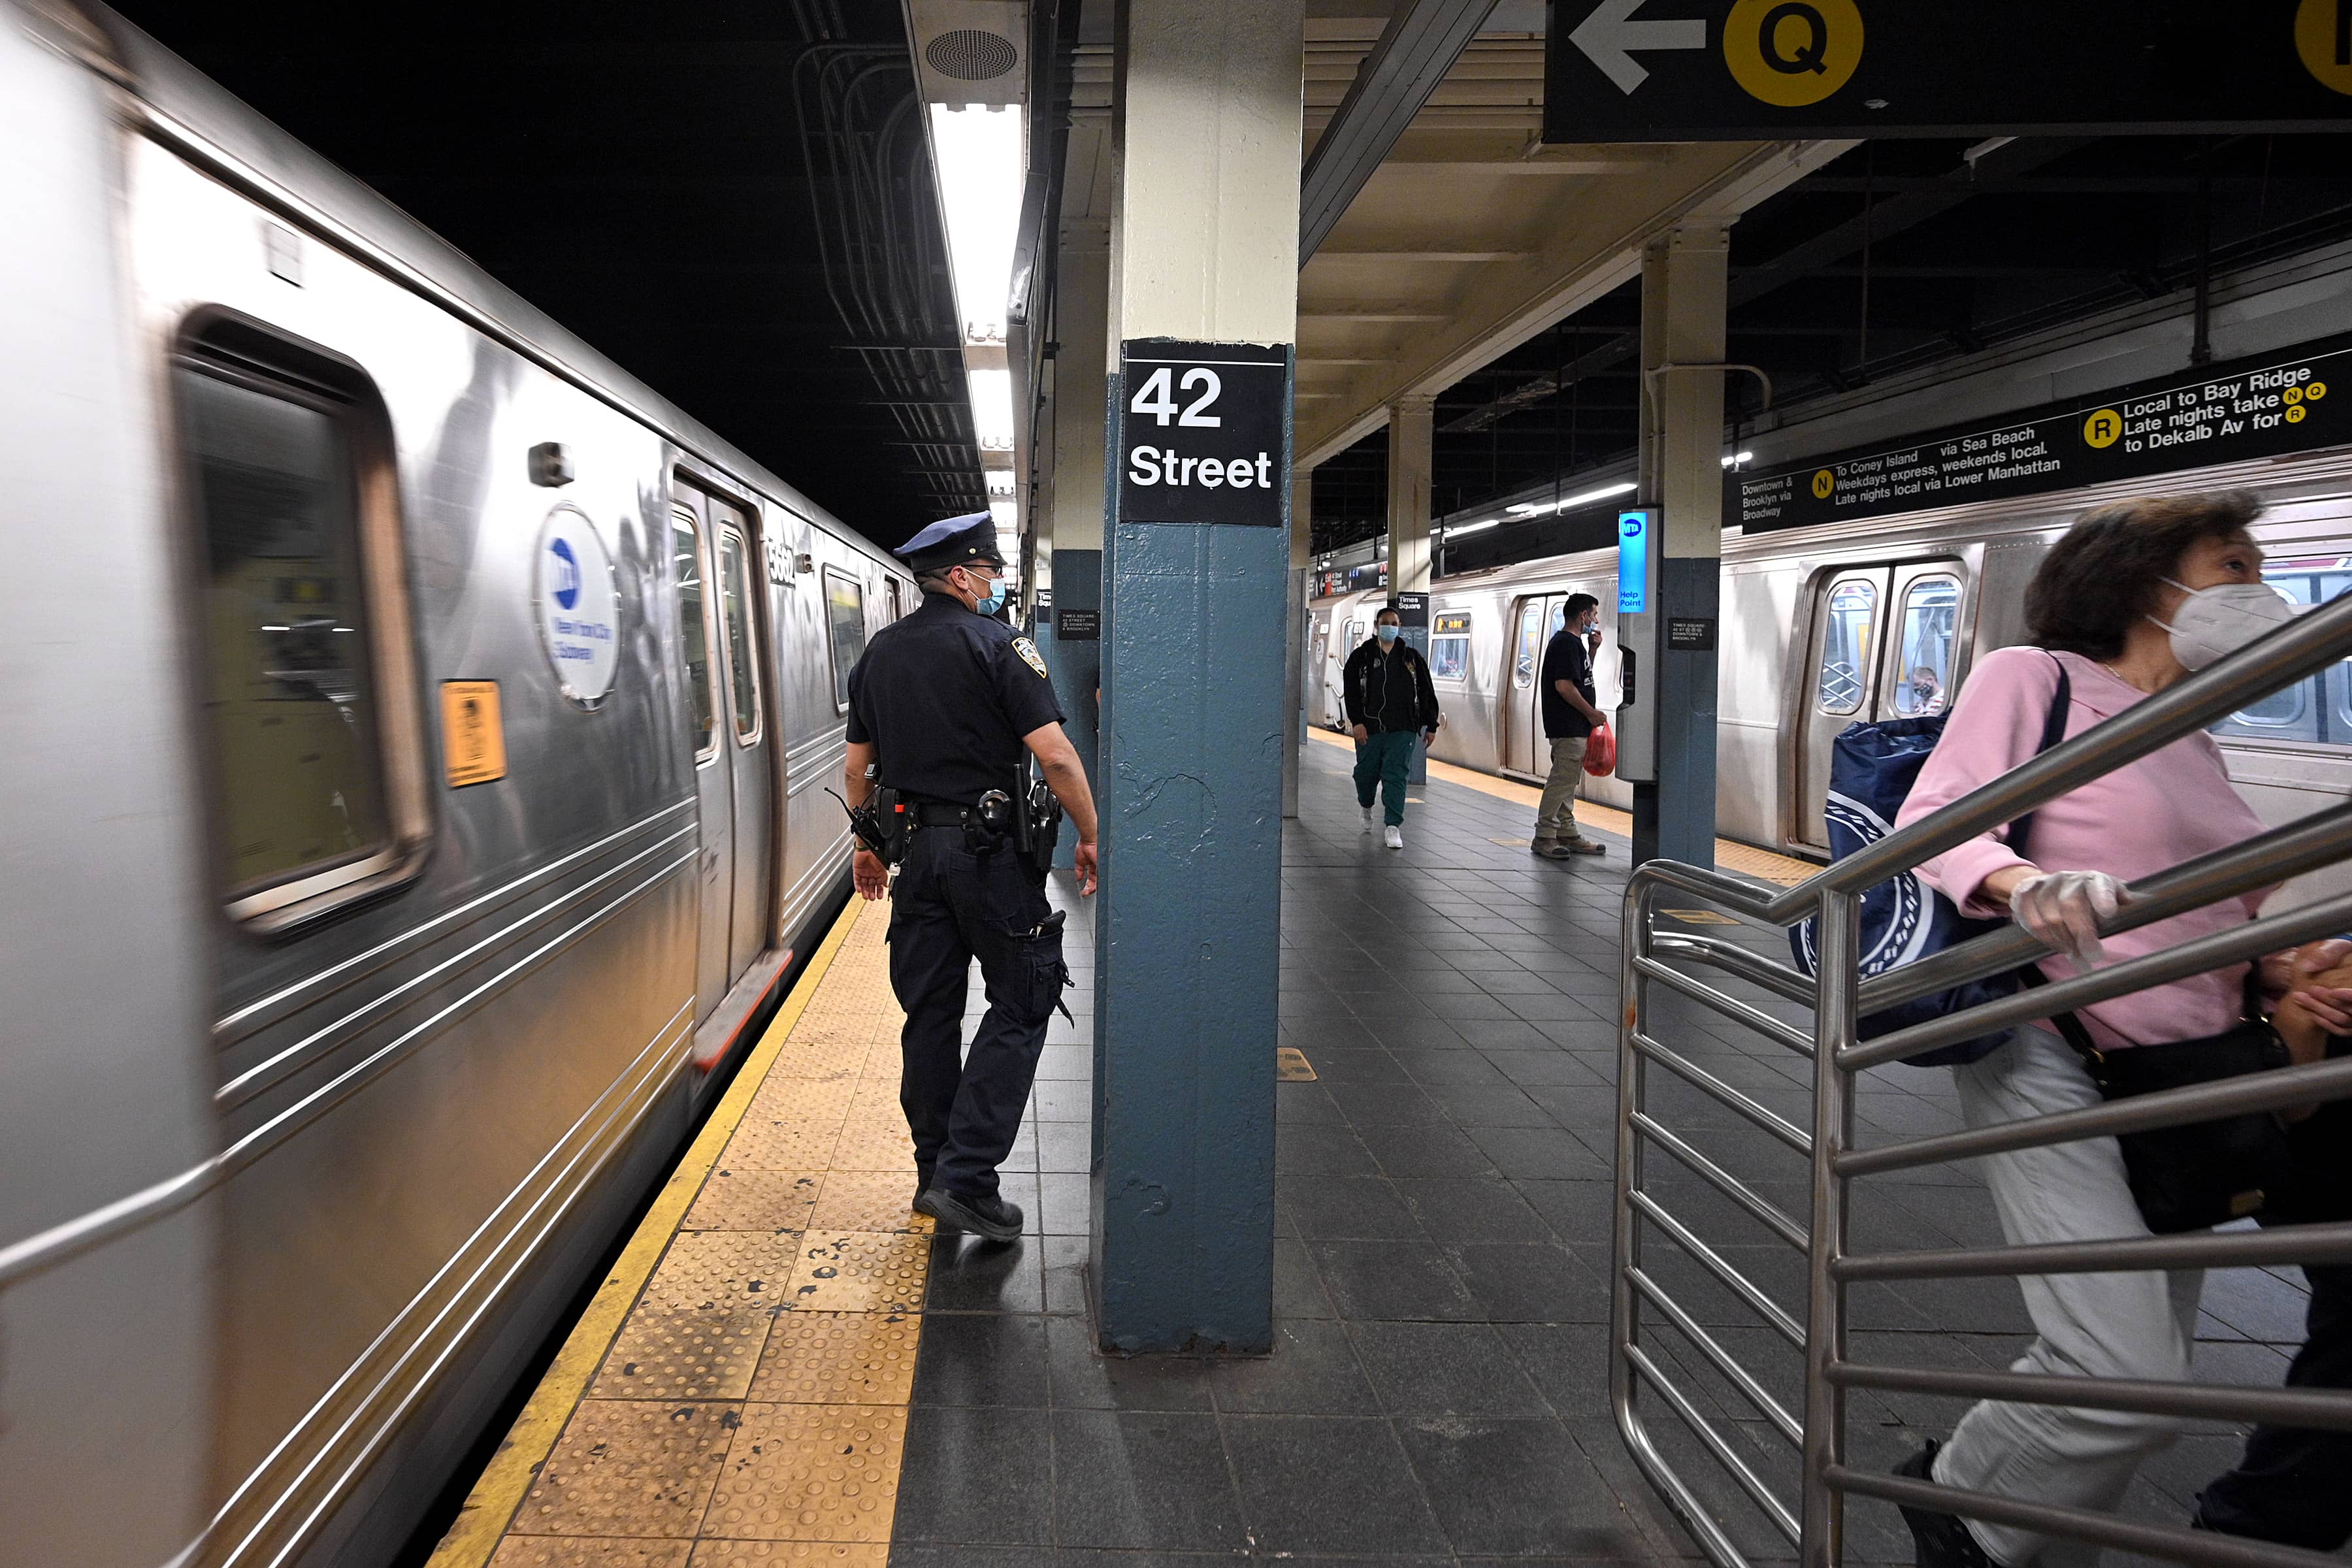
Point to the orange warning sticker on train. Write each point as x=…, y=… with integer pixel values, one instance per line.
x=473, y=737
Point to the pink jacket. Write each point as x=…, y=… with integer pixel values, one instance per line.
x=2169, y=807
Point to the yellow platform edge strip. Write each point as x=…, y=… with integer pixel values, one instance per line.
x=1786, y=870
x=481, y=1522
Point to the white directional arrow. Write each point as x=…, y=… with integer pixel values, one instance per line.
x=1609, y=36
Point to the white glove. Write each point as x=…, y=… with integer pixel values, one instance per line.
x=2063, y=910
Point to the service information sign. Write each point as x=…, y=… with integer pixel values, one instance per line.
x=2250, y=408
x=1204, y=432
x=1633, y=527
x=1696, y=70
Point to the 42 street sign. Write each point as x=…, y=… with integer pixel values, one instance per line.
x=1696, y=70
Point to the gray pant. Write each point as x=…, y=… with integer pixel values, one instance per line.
x=2089, y=1325
x=1556, y=812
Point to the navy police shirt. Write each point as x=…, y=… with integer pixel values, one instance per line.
x=945, y=696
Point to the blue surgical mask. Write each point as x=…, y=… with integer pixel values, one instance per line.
x=994, y=600
x=1386, y=634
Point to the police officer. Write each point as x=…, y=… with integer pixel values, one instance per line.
x=941, y=706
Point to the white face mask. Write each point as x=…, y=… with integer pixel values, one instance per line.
x=2213, y=622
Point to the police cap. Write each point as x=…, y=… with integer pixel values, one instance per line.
x=957, y=541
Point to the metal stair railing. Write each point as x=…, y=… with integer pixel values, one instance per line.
x=1689, y=970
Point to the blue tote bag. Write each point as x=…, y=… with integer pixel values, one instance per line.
x=1903, y=920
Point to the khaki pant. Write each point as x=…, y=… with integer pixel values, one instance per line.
x=1556, y=813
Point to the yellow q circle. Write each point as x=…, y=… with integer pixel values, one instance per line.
x=2101, y=429
x=2325, y=43
x=1790, y=53
x=2315, y=390
x=1823, y=483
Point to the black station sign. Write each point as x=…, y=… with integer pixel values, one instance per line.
x=2259, y=407
x=1656, y=70
x=1204, y=432
x=1077, y=625
x=1691, y=634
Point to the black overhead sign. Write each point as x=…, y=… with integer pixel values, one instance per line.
x=1203, y=432
x=1647, y=70
x=2260, y=408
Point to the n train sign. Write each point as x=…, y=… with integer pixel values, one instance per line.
x=1698, y=71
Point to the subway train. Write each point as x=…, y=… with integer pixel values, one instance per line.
x=1826, y=627
x=413, y=750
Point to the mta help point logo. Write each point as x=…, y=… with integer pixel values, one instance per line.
x=567, y=574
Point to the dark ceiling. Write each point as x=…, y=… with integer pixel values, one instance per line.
x=643, y=173
x=1900, y=255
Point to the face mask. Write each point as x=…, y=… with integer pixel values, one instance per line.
x=1386, y=634
x=993, y=601
x=2213, y=622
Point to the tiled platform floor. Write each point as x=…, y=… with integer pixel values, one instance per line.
x=1439, y=1394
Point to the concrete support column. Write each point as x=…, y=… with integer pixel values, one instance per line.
x=1412, y=434
x=1074, y=530
x=1294, y=673
x=1683, y=287
x=1204, y=251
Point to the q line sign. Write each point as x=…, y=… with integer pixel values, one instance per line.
x=1698, y=71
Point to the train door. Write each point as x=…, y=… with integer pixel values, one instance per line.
x=1538, y=619
x=1882, y=646
x=698, y=637
x=1319, y=629
x=750, y=746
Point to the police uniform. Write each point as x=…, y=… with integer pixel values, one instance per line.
x=944, y=696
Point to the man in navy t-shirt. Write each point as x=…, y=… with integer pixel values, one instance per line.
x=1569, y=717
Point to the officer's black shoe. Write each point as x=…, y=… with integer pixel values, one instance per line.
x=989, y=1216
x=922, y=1185
x=1940, y=1540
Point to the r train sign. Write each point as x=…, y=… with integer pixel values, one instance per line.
x=2259, y=407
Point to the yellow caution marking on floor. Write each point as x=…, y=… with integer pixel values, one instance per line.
x=1291, y=1065
x=1745, y=858
x=707, y=1352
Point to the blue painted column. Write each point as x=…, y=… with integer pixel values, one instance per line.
x=1194, y=635
x=1684, y=280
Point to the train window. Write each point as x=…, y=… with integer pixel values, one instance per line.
x=1845, y=645
x=844, y=613
x=1449, y=657
x=2301, y=712
x=1922, y=678
x=693, y=631
x=313, y=729
x=742, y=635
x=1523, y=666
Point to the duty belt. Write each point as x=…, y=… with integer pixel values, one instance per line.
x=930, y=812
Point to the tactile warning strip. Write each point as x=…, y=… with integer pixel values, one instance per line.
x=1730, y=856
x=737, y=1392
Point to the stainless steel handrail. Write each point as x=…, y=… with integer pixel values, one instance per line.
x=1696, y=969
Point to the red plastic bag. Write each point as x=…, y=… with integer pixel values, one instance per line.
x=1600, y=752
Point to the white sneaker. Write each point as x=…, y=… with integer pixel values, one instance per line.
x=1394, y=837
x=1369, y=817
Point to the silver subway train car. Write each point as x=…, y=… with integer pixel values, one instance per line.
x=1824, y=627
x=412, y=749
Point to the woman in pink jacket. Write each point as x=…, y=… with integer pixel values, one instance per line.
x=2133, y=599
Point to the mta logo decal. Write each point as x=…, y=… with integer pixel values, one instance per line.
x=567, y=574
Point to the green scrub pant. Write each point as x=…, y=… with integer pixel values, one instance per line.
x=1383, y=759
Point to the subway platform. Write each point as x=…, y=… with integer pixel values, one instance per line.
x=786, y=1367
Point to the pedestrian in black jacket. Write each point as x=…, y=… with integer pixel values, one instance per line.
x=1389, y=700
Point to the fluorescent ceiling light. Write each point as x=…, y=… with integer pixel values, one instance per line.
x=1473, y=527
x=1603, y=493
x=979, y=152
x=1000, y=481
x=1005, y=515
x=991, y=408
x=1736, y=459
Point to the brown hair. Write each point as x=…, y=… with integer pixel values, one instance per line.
x=2105, y=574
